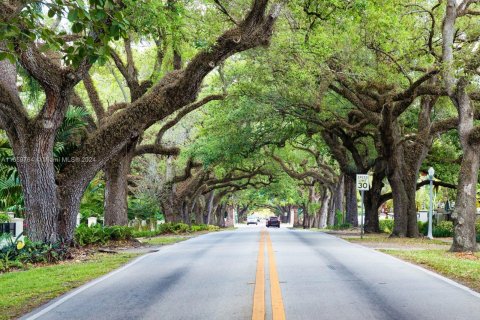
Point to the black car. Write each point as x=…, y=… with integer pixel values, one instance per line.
x=273, y=222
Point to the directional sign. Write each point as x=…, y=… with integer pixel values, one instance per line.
x=362, y=182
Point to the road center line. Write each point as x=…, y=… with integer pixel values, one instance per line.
x=278, y=310
x=259, y=294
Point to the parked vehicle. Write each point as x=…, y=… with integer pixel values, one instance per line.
x=273, y=222
x=252, y=220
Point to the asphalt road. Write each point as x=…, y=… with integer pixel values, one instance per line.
x=317, y=276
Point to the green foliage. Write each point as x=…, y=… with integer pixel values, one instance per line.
x=14, y=255
x=11, y=195
x=339, y=217
x=4, y=218
x=342, y=226
x=98, y=234
x=144, y=208
x=95, y=25
x=443, y=229
x=422, y=227
x=386, y=226
x=92, y=202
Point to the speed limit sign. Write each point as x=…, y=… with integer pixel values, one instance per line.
x=362, y=182
x=363, y=185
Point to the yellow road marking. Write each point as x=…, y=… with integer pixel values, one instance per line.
x=259, y=294
x=278, y=310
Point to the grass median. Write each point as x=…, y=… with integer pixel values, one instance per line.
x=22, y=291
x=430, y=254
x=461, y=267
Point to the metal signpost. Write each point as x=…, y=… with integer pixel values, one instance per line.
x=362, y=185
x=431, y=173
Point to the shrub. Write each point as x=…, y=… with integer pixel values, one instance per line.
x=98, y=234
x=213, y=228
x=342, y=226
x=145, y=234
x=35, y=252
x=119, y=232
x=17, y=254
x=4, y=218
x=174, y=228
x=422, y=227
x=443, y=229
x=386, y=226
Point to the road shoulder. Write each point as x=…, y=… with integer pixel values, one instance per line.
x=432, y=255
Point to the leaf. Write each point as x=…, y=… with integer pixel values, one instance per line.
x=52, y=12
x=77, y=27
x=73, y=15
x=7, y=55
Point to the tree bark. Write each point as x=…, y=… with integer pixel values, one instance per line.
x=296, y=220
x=373, y=200
x=331, y=210
x=465, y=212
x=208, y=216
x=42, y=204
x=402, y=173
x=324, y=209
x=116, y=187
x=338, y=199
x=351, y=202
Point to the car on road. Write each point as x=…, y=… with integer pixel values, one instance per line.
x=273, y=222
x=252, y=220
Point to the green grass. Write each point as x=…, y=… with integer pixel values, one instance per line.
x=22, y=291
x=164, y=240
x=460, y=267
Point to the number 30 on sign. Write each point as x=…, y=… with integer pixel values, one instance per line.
x=362, y=182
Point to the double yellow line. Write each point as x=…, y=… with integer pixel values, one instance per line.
x=278, y=311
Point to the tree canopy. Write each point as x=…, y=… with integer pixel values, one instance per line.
x=181, y=108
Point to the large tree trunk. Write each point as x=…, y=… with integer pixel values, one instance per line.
x=208, y=216
x=351, y=202
x=116, y=187
x=324, y=208
x=331, y=210
x=338, y=199
x=220, y=215
x=464, y=214
x=373, y=198
x=170, y=204
x=42, y=206
x=305, y=215
x=296, y=220
x=70, y=197
x=400, y=177
x=32, y=142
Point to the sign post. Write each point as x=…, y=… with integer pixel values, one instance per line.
x=362, y=185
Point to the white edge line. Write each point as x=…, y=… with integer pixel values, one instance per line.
x=82, y=288
x=434, y=274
